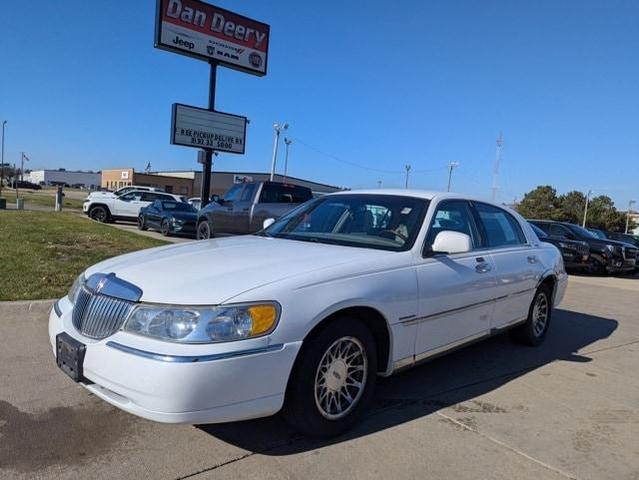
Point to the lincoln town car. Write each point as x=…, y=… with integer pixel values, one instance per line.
x=303, y=316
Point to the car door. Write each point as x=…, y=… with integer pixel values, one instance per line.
x=456, y=291
x=518, y=267
x=240, y=216
x=128, y=205
x=153, y=213
x=222, y=216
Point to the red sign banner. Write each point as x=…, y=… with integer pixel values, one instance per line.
x=210, y=33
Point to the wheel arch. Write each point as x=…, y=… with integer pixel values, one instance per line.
x=99, y=204
x=550, y=279
x=370, y=316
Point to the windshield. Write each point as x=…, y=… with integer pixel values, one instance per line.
x=386, y=222
x=582, y=231
x=178, y=207
x=598, y=233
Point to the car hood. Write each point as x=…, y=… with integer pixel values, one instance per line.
x=214, y=271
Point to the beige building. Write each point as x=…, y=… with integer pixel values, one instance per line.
x=188, y=182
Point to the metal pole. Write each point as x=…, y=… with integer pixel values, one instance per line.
x=278, y=128
x=630, y=202
x=583, y=224
x=205, y=193
x=408, y=167
x=22, y=167
x=287, y=142
x=451, y=165
x=2, y=158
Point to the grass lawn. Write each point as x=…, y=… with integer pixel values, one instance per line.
x=41, y=253
x=43, y=198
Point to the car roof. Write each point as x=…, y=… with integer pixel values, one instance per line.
x=416, y=193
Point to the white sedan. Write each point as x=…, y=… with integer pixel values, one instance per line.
x=304, y=315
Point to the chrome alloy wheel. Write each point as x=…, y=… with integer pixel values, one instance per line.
x=340, y=379
x=540, y=314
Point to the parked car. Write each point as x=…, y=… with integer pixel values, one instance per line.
x=168, y=217
x=196, y=202
x=25, y=185
x=122, y=191
x=624, y=237
x=575, y=253
x=606, y=256
x=245, y=206
x=123, y=207
x=304, y=315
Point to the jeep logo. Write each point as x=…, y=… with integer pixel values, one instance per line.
x=183, y=43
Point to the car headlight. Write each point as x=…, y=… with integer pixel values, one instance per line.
x=204, y=324
x=75, y=288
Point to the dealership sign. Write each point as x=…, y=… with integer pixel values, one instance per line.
x=206, y=32
x=202, y=128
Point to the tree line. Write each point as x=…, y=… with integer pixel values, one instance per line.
x=543, y=203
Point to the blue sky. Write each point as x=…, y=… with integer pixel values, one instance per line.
x=372, y=85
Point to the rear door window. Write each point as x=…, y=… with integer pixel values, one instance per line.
x=274, y=193
x=500, y=226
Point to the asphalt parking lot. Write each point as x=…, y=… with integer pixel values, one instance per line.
x=568, y=409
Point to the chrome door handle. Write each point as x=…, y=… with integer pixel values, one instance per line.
x=532, y=259
x=483, y=268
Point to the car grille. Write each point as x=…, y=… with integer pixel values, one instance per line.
x=583, y=248
x=99, y=316
x=629, y=253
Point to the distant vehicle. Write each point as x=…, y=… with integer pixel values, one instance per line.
x=25, y=185
x=123, y=190
x=168, y=217
x=123, y=207
x=606, y=256
x=575, y=253
x=624, y=237
x=245, y=206
x=196, y=202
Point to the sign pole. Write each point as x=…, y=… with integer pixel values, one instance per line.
x=205, y=194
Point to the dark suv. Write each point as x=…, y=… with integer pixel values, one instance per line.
x=575, y=253
x=606, y=256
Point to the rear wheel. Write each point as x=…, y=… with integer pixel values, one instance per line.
x=99, y=214
x=203, y=230
x=141, y=223
x=333, y=379
x=534, y=331
x=165, y=228
x=596, y=267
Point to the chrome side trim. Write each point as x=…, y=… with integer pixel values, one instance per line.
x=193, y=358
x=57, y=309
x=413, y=321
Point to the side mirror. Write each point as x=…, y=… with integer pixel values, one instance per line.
x=268, y=222
x=448, y=241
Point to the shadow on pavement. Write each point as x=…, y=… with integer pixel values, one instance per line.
x=444, y=382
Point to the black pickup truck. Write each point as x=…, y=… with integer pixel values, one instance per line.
x=606, y=256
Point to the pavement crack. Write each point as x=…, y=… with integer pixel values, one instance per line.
x=496, y=441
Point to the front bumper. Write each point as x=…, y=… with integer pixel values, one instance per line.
x=227, y=382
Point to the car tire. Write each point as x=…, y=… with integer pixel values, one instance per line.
x=203, y=231
x=165, y=228
x=344, y=350
x=534, y=330
x=99, y=214
x=142, y=223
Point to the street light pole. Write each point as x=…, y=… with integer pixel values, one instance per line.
x=451, y=166
x=583, y=224
x=2, y=158
x=287, y=142
x=278, y=129
x=407, y=167
x=630, y=202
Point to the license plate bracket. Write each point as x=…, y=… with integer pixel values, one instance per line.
x=70, y=356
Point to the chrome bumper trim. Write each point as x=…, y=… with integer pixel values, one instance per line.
x=193, y=358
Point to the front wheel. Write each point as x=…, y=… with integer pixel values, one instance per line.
x=203, y=230
x=534, y=331
x=99, y=214
x=141, y=223
x=333, y=379
x=165, y=228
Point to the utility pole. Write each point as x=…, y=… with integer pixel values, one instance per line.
x=278, y=129
x=500, y=144
x=407, y=167
x=451, y=166
x=630, y=202
x=583, y=224
x=287, y=142
x=22, y=166
x=2, y=158
x=379, y=184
